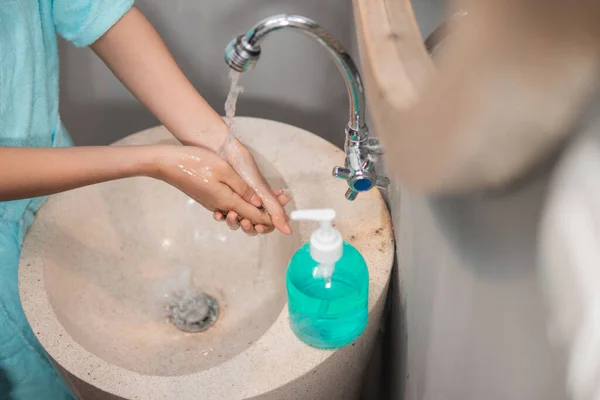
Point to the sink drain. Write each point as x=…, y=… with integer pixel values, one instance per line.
x=193, y=312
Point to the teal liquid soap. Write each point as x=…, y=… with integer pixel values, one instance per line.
x=328, y=314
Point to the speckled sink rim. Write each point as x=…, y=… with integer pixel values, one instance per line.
x=278, y=357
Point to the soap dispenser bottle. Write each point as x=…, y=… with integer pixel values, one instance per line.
x=327, y=285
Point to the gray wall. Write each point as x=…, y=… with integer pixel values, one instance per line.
x=294, y=82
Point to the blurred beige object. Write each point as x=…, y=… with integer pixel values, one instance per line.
x=516, y=78
x=512, y=82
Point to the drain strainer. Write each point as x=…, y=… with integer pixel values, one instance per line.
x=193, y=312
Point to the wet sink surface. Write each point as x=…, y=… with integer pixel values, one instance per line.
x=121, y=250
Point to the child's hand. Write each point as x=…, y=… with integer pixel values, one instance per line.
x=209, y=180
x=135, y=53
x=234, y=222
x=243, y=163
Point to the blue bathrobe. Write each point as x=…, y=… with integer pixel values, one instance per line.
x=29, y=117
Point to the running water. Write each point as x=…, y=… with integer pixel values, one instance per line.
x=230, y=153
x=234, y=91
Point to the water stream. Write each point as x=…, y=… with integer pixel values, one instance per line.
x=234, y=91
x=240, y=164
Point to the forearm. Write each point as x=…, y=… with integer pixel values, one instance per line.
x=135, y=53
x=31, y=172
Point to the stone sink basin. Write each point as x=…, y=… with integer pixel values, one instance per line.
x=101, y=264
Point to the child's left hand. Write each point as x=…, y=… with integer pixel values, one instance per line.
x=242, y=162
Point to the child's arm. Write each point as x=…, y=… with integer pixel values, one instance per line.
x=31, y=172
x=135, y=53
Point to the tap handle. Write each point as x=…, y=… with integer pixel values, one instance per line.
x=368, y=165
x=380, y=181
x=342, y=173
x=348, y=175
x=351, y=194
x=362, y=180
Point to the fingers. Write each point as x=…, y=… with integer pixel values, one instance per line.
x=250, y=212
x=264, y=229
x=248, y=227
x=272, y=203
x=233, y=220
x=240, y=187
x=234, y=223
x=242, y=200
x=282, y=198
x=242, y=162
x=218, y=216
x=278, y=193
x=255, y=200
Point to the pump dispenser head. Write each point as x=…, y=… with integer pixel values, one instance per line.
x=326, y=244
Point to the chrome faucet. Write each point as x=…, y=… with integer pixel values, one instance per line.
x=362, y=150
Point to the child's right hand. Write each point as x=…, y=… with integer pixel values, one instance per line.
x=27, y=172
x=209, y=180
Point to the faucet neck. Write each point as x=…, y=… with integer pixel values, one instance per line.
x=361, y=150
x=356, y=136
x=251, y=44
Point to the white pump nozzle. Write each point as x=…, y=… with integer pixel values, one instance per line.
x=325, y=216
x=326, y=244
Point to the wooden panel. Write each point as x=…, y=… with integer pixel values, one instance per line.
x=511, y=83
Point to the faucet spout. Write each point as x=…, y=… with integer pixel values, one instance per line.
x=243, y=52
